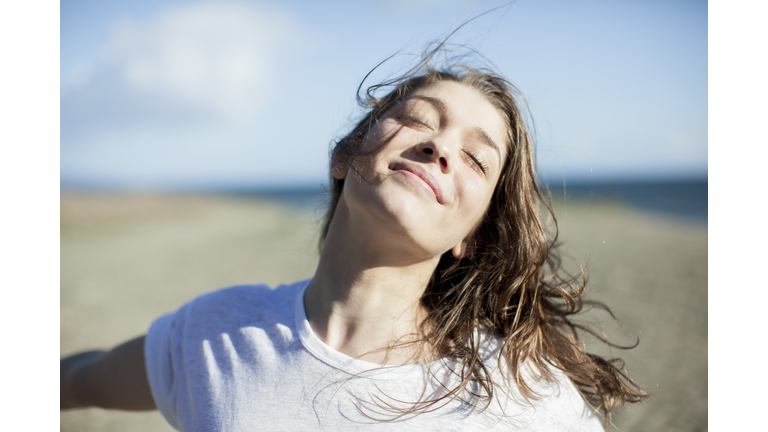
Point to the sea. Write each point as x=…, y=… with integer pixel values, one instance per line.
x=678, y=199
x=681, y=199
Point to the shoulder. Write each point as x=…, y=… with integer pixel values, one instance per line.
x=249, y=299
x=231, y=308
x=562, y=405
x=556, y=405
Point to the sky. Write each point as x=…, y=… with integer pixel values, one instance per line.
x=218, y=94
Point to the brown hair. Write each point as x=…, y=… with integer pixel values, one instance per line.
x=512, y=286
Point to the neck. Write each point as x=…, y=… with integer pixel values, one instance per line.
x=365, y=296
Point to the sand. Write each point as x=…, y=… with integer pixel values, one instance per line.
x=126, y=259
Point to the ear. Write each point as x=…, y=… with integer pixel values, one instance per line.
x=464, y=249
x=339, y=169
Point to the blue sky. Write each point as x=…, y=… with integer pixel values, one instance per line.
x=185, y=94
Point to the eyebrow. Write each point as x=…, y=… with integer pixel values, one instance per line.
x=485, y=139
x=435, y=102
x=479, y=132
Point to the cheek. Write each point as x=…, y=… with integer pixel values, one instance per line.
x=380, y=134
x=476, y=198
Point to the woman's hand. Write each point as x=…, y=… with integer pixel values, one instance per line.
x=114, y=379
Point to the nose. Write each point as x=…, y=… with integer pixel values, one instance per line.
x=436, y=153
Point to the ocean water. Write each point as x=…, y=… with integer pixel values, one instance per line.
x=680, y=199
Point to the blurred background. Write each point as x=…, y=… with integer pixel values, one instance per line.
x=194, y=141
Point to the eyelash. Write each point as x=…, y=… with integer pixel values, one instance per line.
x=411, y=119
x=476, y=161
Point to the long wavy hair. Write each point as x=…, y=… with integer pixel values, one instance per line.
x=512, y=285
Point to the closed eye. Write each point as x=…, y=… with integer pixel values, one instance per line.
x=475, y=161
x=408, y=119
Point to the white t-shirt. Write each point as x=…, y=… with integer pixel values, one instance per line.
x=246, y=358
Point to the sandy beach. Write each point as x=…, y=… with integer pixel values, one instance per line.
x=127, y=259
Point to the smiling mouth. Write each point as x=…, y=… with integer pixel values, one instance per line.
x=422, y=175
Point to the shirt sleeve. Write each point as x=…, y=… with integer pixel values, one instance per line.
x=158, y=355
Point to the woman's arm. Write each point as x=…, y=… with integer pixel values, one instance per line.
x=114, y=379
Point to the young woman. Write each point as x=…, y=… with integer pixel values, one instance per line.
x=437, y=303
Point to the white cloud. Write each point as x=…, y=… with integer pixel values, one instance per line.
x=216, y=57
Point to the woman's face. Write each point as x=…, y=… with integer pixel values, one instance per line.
x=440, y=154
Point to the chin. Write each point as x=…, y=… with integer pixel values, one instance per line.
x=402, y=215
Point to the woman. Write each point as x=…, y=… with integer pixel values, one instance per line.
x=430, y=308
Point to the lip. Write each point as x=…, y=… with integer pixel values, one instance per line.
x=421, y=173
